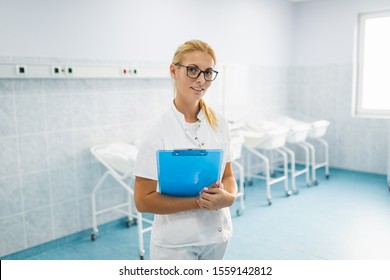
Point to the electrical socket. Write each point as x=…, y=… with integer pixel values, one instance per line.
x=21, y=69
x=124, y=71
x=128, y=71
x=59, y=70
x=56, y=70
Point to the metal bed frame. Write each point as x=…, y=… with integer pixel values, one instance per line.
x=119, y=160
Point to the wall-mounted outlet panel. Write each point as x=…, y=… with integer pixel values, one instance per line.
x=127, y=71
x=58, y=71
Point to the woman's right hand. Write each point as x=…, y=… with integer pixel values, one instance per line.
x=215, y=197
x=147, y=199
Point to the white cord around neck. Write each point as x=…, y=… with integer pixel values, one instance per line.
x=194, y=138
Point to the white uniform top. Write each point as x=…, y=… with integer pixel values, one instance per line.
x=194, y=227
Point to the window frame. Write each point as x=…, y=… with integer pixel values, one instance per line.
x=358, y=69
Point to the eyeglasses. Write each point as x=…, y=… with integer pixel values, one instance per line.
x=194, y=72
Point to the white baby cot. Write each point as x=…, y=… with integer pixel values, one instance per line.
x=317, y=132
x=237, y=141
x=119, y=159
x=297, y=134
x=261, y=137
x=308, y=135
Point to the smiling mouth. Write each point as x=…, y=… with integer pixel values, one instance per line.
x=197, y=89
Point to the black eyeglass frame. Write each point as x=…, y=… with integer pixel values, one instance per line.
x=200, y=72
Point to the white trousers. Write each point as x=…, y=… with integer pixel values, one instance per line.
x=207, y=252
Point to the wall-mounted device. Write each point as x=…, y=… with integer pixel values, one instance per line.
x=81, y=71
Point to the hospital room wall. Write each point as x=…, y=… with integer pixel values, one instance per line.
x=321, y=82
x=147, y=30
x=47, y=126
x=46, y=170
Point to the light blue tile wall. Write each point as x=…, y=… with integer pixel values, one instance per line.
x=36, y=190
x=7, y=116
x=37, y=226
x=47, y=127
x=10, y=196
x=30, y=113
x=59, y=108
x=33, y=152
x=13, y=235
x=325, y=92
x=9, y=157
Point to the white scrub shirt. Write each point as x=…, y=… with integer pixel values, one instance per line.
x=195, y=227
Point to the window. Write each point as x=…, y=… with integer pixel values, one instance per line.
x=371, y=91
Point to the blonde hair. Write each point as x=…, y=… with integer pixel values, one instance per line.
x=188, y=47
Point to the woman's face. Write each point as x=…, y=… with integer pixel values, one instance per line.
x=188, y=88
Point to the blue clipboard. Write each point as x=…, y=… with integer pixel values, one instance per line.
x=184, y=173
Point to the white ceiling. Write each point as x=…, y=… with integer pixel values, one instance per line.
x=297, y=0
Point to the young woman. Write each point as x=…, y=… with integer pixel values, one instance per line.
x=187, y=228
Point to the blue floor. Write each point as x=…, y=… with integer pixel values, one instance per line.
x=344, y=218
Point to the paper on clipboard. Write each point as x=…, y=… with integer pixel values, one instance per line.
x=184, y=173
